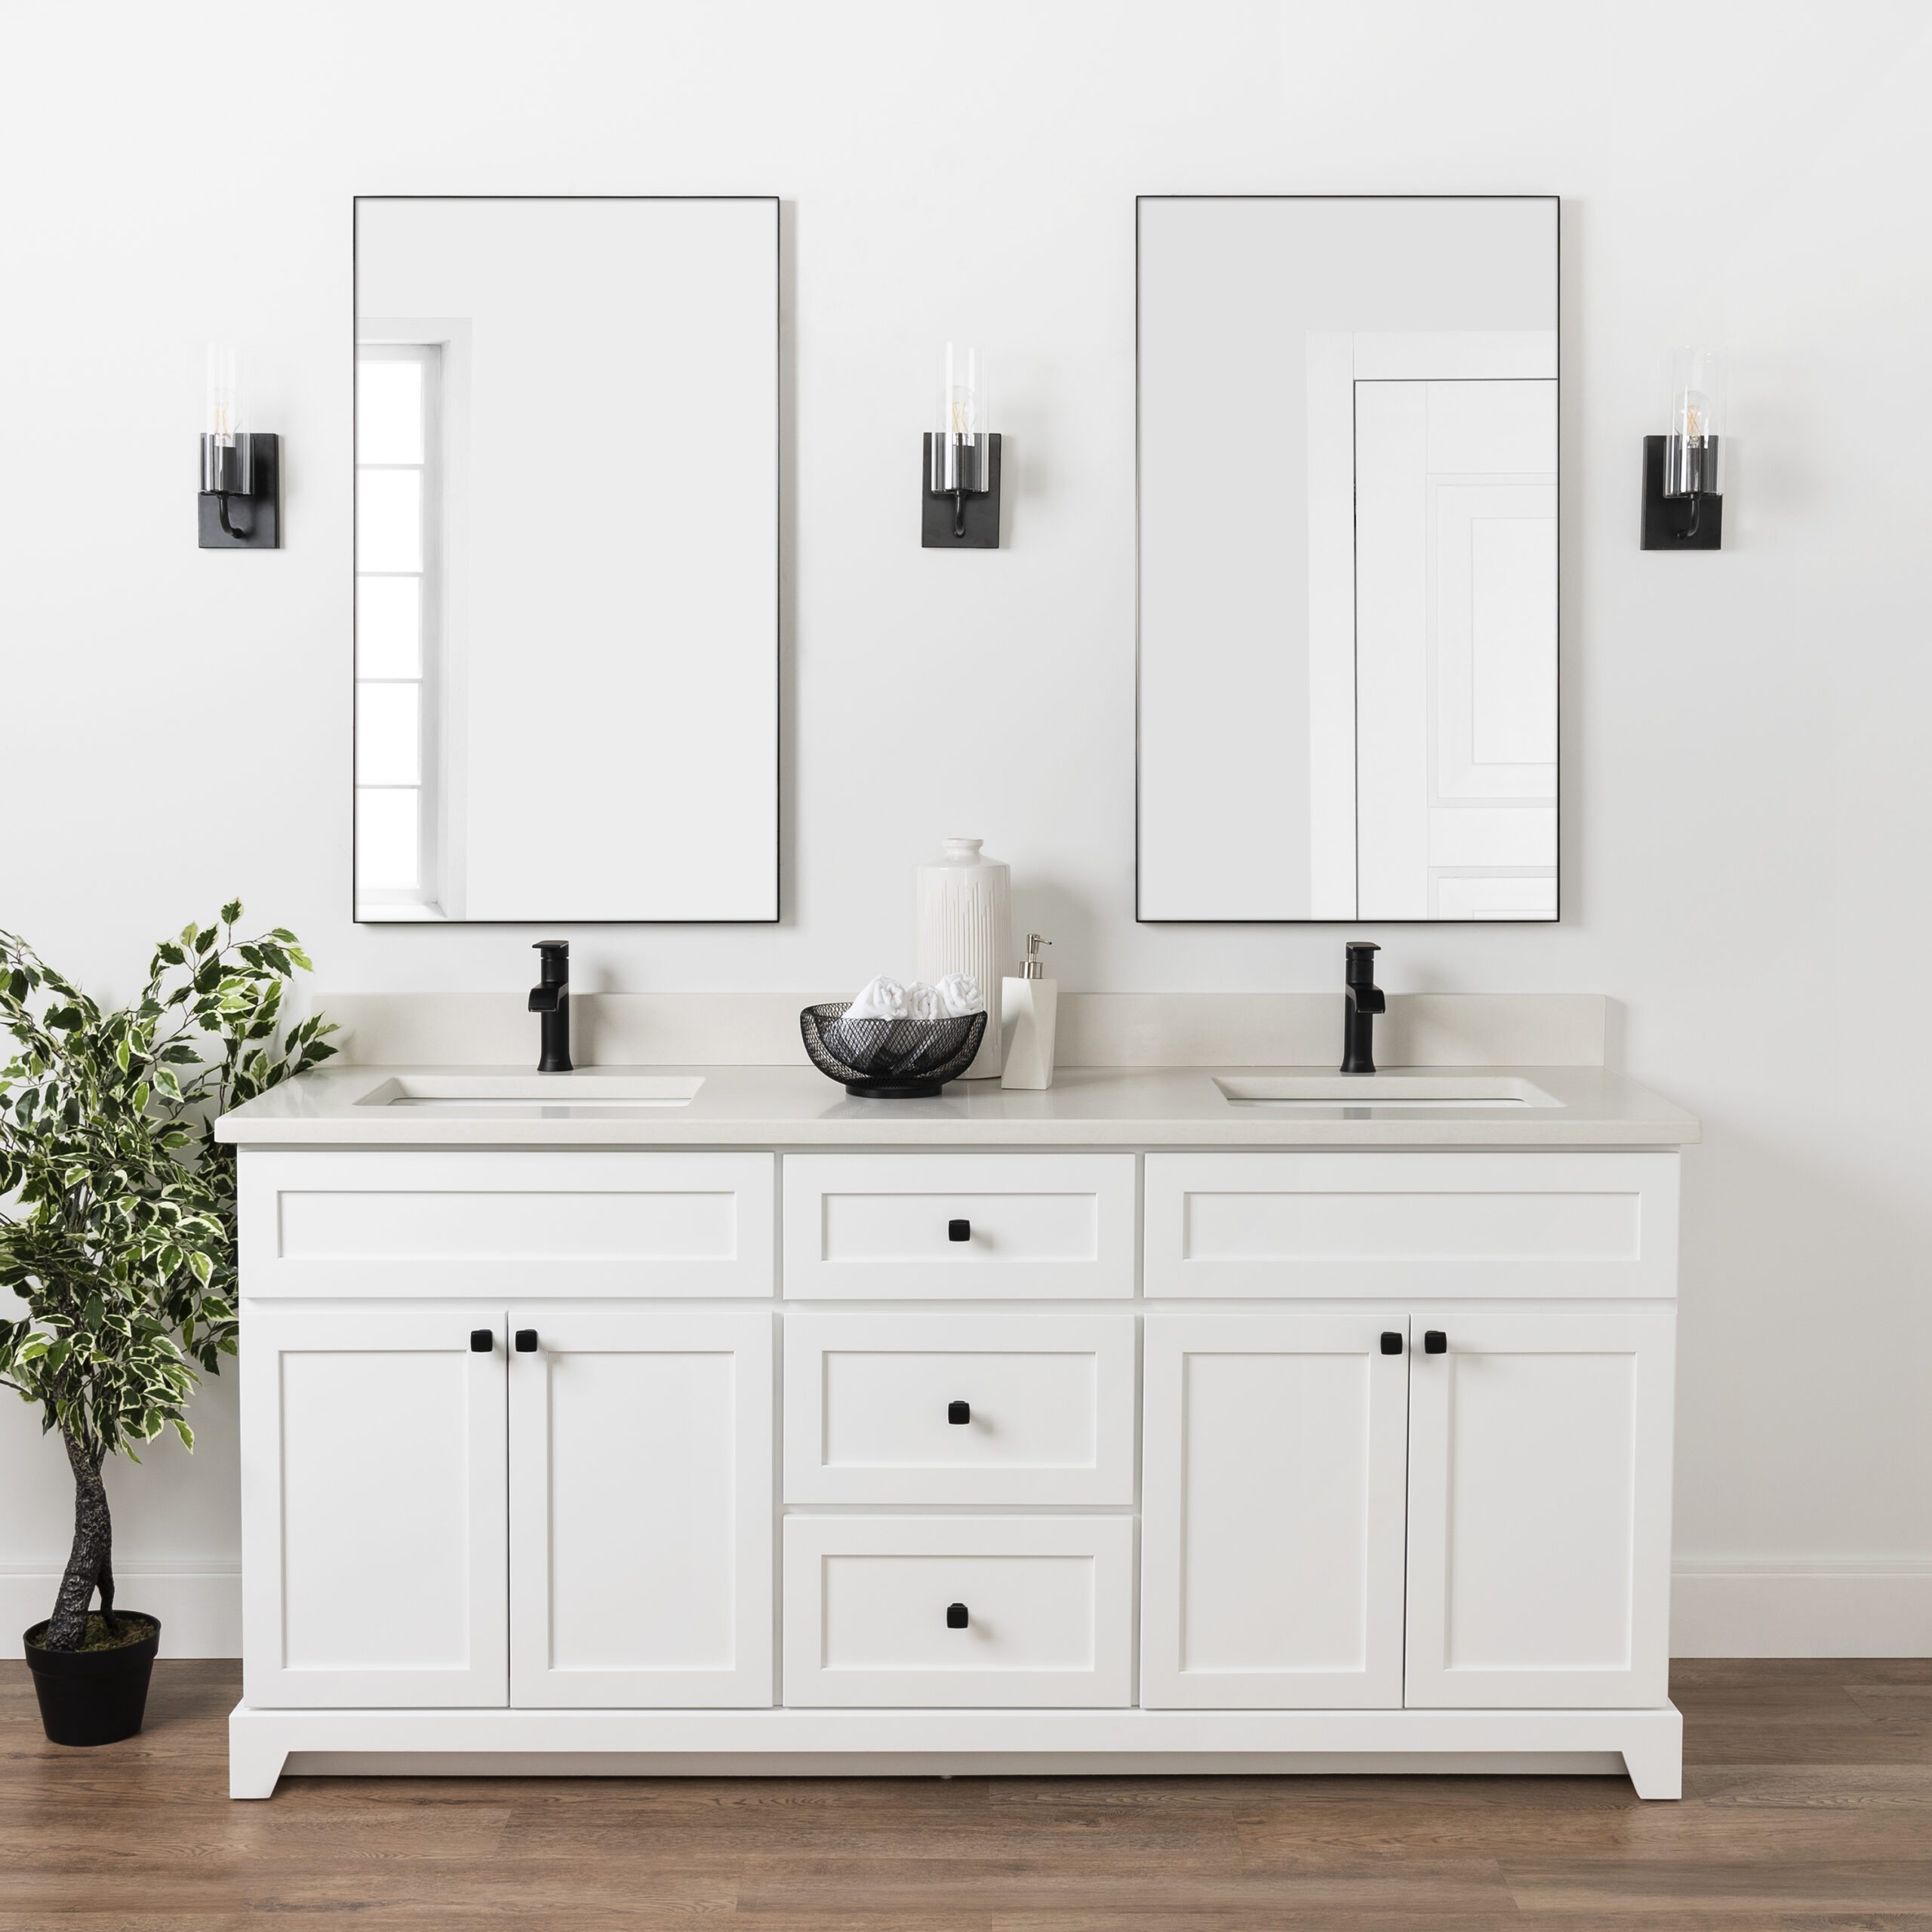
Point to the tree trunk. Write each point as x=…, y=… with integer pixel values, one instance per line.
x=90, y=1561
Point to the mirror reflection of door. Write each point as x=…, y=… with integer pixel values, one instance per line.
x=1452, y=654
x=1348, y=619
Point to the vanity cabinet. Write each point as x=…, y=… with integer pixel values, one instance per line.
x=1052, y=1460
x=1439, y=1507
x=448, y=1505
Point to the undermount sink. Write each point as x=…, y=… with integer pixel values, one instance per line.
x=1381, y=1090
x=534, y=1092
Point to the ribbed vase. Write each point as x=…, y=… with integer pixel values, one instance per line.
x=965, y=925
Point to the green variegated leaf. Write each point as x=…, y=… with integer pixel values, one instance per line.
x=117, y=1205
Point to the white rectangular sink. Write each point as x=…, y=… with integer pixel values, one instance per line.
x=1381, y=1090
x=533, y=1093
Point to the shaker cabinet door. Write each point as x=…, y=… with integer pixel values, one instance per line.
x=372, y=1505
x=640, y=1497
x=1271, y=1485
x=1539, y=1510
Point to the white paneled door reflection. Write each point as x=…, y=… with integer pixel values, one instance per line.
x=1456, y=648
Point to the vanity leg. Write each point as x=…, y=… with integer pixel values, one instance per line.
x=1656, y=1765
x=255, y=1755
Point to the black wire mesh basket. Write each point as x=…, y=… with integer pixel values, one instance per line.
x=889, y=1059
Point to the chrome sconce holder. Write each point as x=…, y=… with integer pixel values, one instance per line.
x=1683, y=471
x=959, y=471
x=240, y=504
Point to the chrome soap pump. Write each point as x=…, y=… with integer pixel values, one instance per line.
x=1029, y=1006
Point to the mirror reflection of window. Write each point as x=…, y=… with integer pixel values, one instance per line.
x=398, y=606
x=567, y=484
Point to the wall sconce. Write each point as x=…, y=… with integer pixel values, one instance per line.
x=960, y=474
x=241, y=496
x=1683, y=471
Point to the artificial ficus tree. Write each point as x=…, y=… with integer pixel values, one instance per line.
x=120, y=1238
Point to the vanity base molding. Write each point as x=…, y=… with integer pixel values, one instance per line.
x=1648, y=1745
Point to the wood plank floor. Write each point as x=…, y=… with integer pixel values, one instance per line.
x=1807, y=1805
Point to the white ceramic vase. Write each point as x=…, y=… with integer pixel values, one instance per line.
x=965, y=925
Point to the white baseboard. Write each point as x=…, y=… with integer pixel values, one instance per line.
x=1782, y=1608
x=199, y=1605
x=1735, y=1609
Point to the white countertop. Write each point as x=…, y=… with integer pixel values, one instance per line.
x=798, y=1107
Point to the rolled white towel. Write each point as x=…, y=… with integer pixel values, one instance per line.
x=879, y=999
x=959, y=994
x=923, y=1002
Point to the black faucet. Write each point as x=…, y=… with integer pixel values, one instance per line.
x=551, y=997
x=1364, y=1000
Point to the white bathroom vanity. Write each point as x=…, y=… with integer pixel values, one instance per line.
x=703, y=1419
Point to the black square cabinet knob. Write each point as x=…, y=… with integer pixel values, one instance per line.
x=482, y=1341
x=959, y=1231
x=956, y=1616
x=1392, y=1342
x=1435, y=1342
x=959, y=1412
x=526, y=1341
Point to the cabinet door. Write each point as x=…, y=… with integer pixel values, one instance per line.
x=372, y=1505
x=1539, y=1510
x=1271, y=1477
x=641, y=1507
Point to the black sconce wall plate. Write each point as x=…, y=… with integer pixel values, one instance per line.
x=257, y=517
x=938, y=511
x=1676, y=523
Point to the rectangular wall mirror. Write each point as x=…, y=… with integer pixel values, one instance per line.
x=566, y=558
x=1348, y=558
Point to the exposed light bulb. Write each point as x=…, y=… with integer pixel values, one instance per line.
x=1694, y=415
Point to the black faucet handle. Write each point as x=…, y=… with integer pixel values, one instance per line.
x=1360, y=954
x=555, y=958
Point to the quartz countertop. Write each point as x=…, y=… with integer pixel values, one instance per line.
x=1089, y=1107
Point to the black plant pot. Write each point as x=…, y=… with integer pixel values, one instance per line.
x=93, y=1697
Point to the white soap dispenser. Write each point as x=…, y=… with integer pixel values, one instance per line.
x=1029, y=1006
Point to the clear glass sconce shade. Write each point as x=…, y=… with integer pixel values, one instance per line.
x=225, y=417
x=226, y=453
x=1693, y=445
x=961, y=456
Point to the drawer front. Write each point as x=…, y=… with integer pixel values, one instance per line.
x=1410, y=1224
x=518, y=1225
x=870, y=1613
x=958, y=1226
x=959, y=1409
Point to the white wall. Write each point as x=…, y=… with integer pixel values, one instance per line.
x=1746, y=816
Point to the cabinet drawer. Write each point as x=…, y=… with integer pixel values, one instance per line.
x=1403, y=1224
x=518, y=1225
x=962, y=1226
x=1046, y=1603
x=873, y=1408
